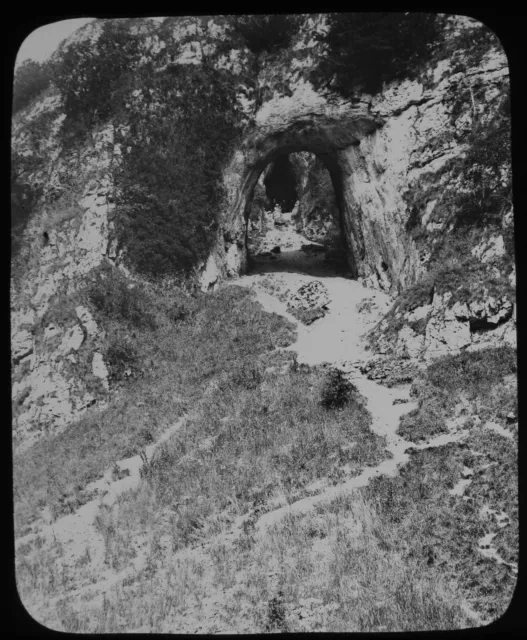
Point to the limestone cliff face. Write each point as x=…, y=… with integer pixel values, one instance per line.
x=382, y=153
x=375, y=148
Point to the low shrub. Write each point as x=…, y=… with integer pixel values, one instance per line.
x=122, y=358
x=247, y=375
x=114, y=297
x=478, y=377
x=336, y=390
x=267, y=33
x=31, y=80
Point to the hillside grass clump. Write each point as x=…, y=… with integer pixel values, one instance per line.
x=178, y=360
x=253, y=438
x=479, y=378
x=422, y=521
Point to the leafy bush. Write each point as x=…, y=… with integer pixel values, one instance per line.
x=267, y=32
x=91, y=76
x=371, y=48
x=276, y=614
x=487, y=170
x=31, y=79
x=111, y=295
x=336, y=390
x=122, y=358
x=170, y=183
x=476, y=376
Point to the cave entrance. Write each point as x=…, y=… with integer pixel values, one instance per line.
x=294, y=218
x=270, y=150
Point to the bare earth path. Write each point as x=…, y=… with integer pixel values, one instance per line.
x=336, y=339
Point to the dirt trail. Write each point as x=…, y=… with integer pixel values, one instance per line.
x=76, y=532
x=336, y=339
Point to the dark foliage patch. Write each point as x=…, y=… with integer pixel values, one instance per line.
x=367, y=49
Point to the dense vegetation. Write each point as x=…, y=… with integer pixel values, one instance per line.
x=367, y=49
x=475, y=376
x=267, y=33
x=31, y=79
x=169, y=178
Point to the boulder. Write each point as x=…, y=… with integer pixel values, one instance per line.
x=21, y=345
x=86, y=318
x=309, y=296
x=99, y=369
x=72, y=341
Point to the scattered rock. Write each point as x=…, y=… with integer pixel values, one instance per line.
x=511, y=418
x=86, y=319
x=276, y=250
x=490, y=250
x=310, y=296
x=72, y=341
x=99, y=369
x=390, y=371
x=21, y=345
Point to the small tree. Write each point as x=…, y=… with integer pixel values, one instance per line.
x=370, y=48
x=31, y=79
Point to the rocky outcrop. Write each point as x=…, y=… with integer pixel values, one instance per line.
x=437, y=329
x=309, y=296
x=375, y=148
x=381, y=153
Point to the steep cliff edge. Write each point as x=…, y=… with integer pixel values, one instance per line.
x=420, y=172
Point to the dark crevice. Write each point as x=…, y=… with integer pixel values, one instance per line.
x=482, y=325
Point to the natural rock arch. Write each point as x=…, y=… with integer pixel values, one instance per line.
x=325, y=137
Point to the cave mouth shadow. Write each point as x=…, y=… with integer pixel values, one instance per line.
x=286, y=182
x=319, y=264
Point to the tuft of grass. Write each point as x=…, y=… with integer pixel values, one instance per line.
x=479, y=377
x=222, y=332
x=424, y=524
x=248, y=442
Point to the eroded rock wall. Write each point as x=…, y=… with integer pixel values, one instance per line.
x=381, y=152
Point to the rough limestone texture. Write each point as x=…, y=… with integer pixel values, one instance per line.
x=309, y=296
x=99, y=369
x=374, y=147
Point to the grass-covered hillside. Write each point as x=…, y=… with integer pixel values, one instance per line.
x=235, y=461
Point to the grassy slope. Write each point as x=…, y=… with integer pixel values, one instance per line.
x=393, y=556
x=207, y=353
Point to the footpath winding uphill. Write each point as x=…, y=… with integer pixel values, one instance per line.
x=335, y=339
